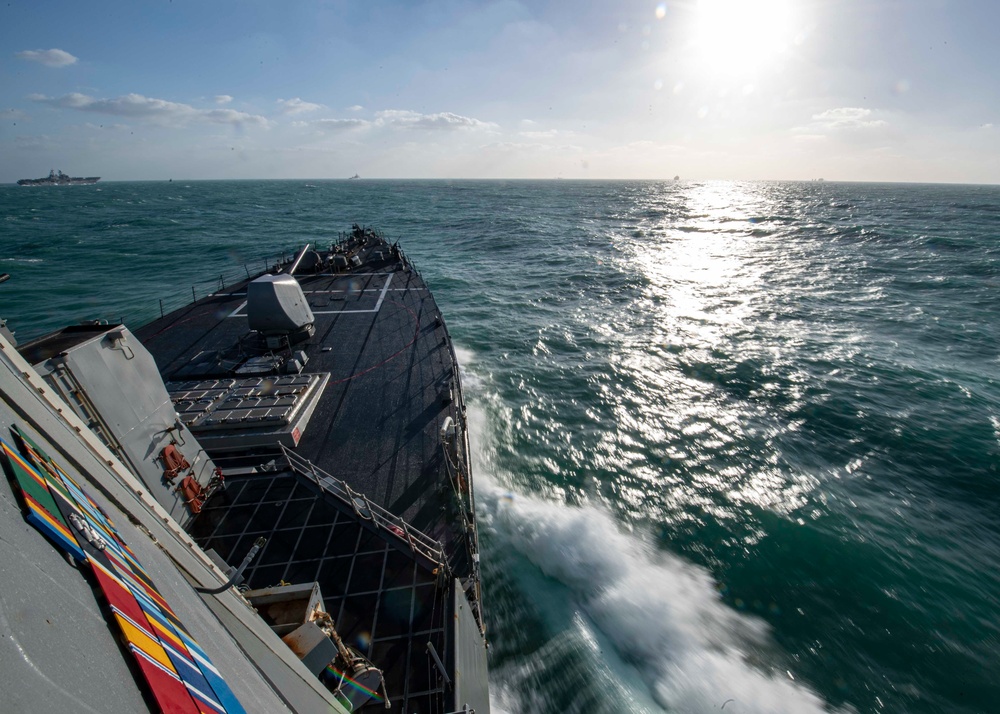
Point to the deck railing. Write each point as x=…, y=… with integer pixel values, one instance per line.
x=420, y=543
x=460, y=471
x=212, y=285
x=249, y=269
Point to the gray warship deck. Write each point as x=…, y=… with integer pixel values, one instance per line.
x=382, y=340
x=386, y=383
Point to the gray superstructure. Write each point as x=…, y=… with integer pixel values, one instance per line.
x=58, y=178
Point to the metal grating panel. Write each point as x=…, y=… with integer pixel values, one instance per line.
x=384, y=603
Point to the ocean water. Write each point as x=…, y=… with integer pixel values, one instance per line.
x=737, y=445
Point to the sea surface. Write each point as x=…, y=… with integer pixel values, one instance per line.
x=737, y=444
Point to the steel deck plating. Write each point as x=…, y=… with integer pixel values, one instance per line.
x=389, y=423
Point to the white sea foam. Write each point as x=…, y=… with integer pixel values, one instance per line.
x=653, y=608
x=662, y=618
x=466, y=357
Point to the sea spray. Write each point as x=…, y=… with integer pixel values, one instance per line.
x=647, y=626
x=662, y=616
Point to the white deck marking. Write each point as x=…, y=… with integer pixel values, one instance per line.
x=330, y=292
x=378, y=304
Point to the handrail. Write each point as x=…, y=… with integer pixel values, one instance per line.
x=419, y=542
x=468, y=516
x=211, y=286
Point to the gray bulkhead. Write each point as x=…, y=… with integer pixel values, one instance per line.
x=113, y=384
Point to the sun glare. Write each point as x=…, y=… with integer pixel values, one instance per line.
x=742, y=36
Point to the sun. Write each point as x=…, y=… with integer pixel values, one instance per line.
x=742, y=36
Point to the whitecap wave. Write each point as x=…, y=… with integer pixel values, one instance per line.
x=661, y=615
x=644, y=627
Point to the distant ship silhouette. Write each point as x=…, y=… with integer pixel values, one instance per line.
x=58, y=178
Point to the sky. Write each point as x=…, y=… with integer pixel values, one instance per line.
x=867, y=90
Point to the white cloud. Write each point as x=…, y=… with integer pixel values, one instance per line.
x=548, y=134
x=515, y=147
x=333, y=126
x=298, y=106
x=231, y=116
x=50, y=58
x=846, y=118
x=399, y=119
x=355, y=108
x=223, y=99
x=442, y=121
x=160, y=110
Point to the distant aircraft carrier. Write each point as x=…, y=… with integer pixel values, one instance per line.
x=58, y=178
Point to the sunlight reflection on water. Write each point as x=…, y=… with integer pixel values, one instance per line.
x=680, y=354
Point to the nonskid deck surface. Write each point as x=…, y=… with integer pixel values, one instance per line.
x=389, y=382
x=380, y=337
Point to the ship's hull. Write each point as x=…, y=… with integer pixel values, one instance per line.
x=75, y=181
